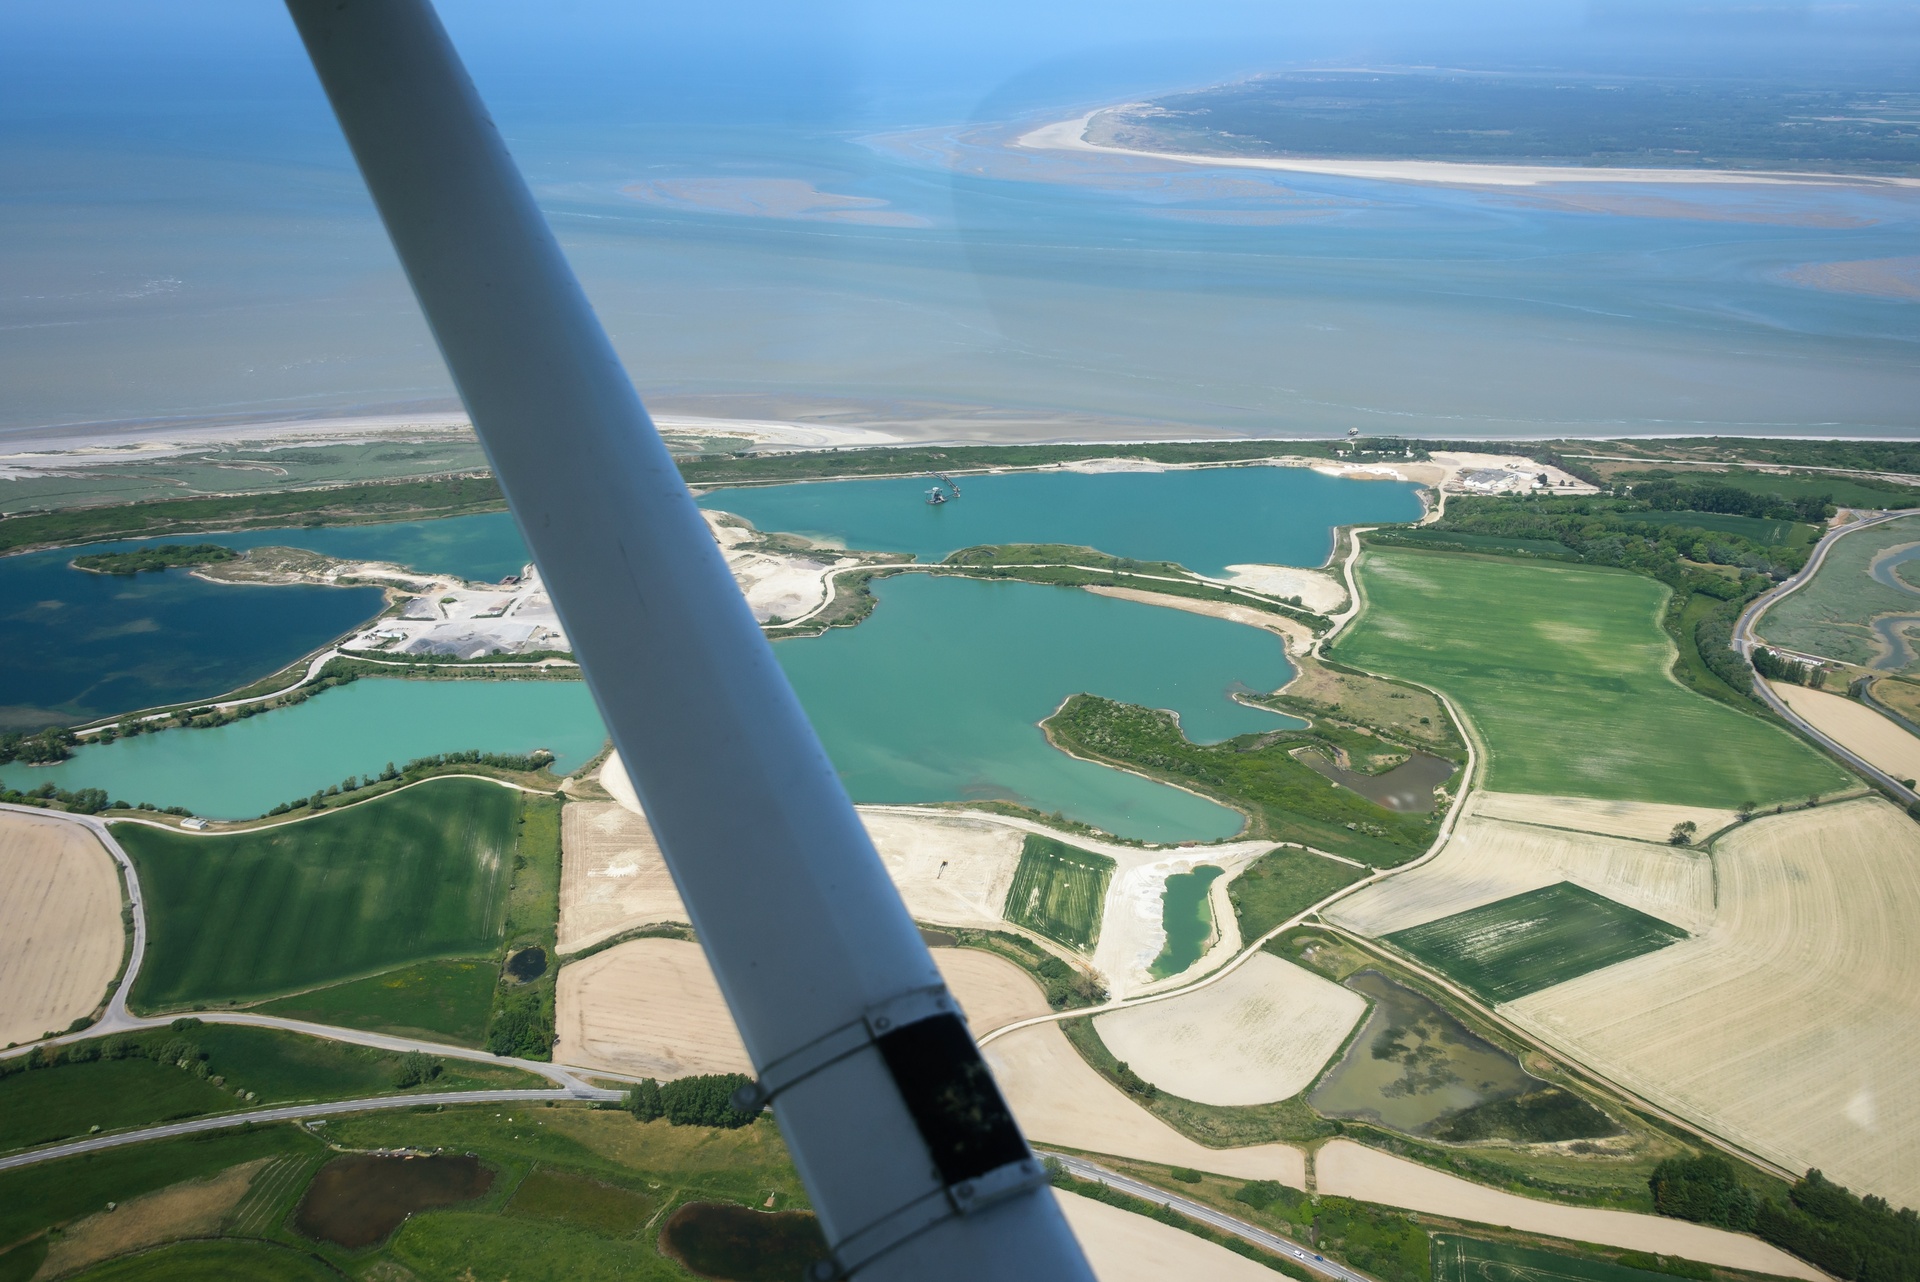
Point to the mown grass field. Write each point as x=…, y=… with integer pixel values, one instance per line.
x=1465, y=1259
x=1283, y=883
x=443, y=1001
x=1523, y=944
x=423, y=873
x=1058, y=891
x=1565, y=674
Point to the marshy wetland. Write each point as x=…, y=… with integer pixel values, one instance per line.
x=358, y=1200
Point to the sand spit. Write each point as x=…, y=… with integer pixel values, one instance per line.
x=1491, y=859
x=1791, y=1023
x=1261, y=1034
x=1071, y=135
x=1346, y=1169
x=1297, y=636
x=1124, y=1247
x=1318, y=590
x=61, y=937
x=1880, y=740
x=1059, y=1099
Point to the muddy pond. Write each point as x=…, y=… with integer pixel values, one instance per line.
x=1414, y=1064
x=1406, y=789
x=738, y=1244
x=360, y=1199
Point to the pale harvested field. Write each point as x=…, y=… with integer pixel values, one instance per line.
x=1318, y=590
x=194, y=1209
x=1644, y=820
x=1059, y=1099
x=646, y=1008
x=1261, y=1034
x=1490, y=859
x=1857, y=728
x=612, y=877
x=1124, y=1247
x=951, y=869
x=1791, y=1025
x=60, y=932
x=651, y=1008
x=1345, y=1169
x=1298, y=636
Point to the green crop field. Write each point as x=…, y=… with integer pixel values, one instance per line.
x=444, y=1001
x=1760, y=529
x=1280, y=884
x=1058, y=891
x=1465, y=1259
x=420, y=874
x=1544, y=937
x=1566, y=674
x=1832, y=615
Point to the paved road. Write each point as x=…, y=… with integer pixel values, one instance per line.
x=1744, y=641
x=295, y=1113
x=1207, y=1215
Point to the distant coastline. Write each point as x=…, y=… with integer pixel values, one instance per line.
x=1070, y=135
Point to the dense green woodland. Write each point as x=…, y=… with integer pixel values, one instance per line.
x=1860, y=1239
x=165, y=556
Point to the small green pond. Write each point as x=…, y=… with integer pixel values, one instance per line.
x=1187, y=915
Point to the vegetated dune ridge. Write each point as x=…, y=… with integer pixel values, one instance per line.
x=1491, y=859
x=1567, y=679
x=1639, y=820
x=1124, y=1247
x=60, y=931
x=193, y=1209
x=651, y=1007
x=1856, y=727
x=1060, y=1099
x=1346, y=1169
x=612, y=877
x=1791, y=1023
x=1261, y=1034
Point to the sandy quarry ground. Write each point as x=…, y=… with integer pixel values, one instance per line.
x=1791, y=1023
x=1133, y=930
x=61, y=937
x=1060, y=1100
x=1124, y=1247
x=1857, y=728
x=1318, y=590
x=1641, y=820
x=1345, y=1169
x=646, y=1008
x=1492, y=859
x=952, y=869
x=651, y=1007
x=1297, y=636
x=777, y=585
x=612, y=877
x=193, y=1209
x=1261, y=1034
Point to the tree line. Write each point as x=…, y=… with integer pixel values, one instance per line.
x=702, y=1100
x=1862, y=1239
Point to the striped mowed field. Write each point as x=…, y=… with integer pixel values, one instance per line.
x=1058, y=891
x=419, y=874
x=1565, y=674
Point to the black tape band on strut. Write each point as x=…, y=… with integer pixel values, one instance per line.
x=952, y=1097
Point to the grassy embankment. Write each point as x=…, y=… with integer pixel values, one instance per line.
x=393, y=916
x=1255, y=774
x=578, y=1195
x=1282, y=884
x=1564, y=672
x=144, y=1079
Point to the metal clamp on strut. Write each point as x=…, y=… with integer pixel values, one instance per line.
x=849, y=1039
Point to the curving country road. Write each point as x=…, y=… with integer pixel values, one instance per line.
x=1246, y=1232
x=1744, y=641
x=294, y=1113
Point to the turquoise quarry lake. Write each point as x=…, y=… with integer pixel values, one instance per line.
x=1204, y=518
